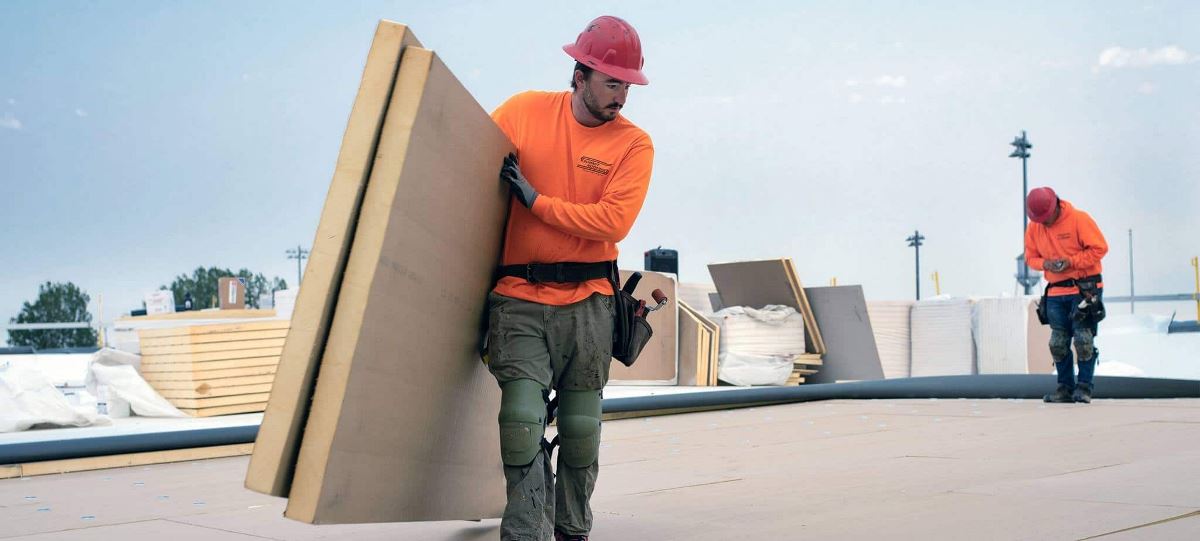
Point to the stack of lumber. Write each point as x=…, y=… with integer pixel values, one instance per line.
x=756, y=284
x=207, y=370
x=699, y=347
x=381, y=410
x=807, y=364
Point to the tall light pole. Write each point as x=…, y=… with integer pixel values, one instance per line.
x=915, y=242
x=299, y=254
x=1025, y=277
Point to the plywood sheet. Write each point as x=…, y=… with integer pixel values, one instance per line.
x=200, y=403
x=278, y=442
x=693, y=353
x=659, y=363
x=211, y=347
x=400, y=386
x=208, y=366
x=225, y=410
x=851, y=354
x=190, y=374
x=215, y=328
x=211, y=338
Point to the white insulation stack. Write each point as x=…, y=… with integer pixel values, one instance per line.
x=1001, y=330
x=941, y=338
x=890, y=322
x=758, y=346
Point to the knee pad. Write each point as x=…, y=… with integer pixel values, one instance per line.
x=579, y=427
x=1085, y=344
x=1060, y=345
x=522, y=421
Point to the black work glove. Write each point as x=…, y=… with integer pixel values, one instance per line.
x=1057, y=265
x=510, y=172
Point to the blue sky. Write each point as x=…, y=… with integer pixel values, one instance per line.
x=139, y=140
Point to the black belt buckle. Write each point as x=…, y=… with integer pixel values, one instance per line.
x=529, y=277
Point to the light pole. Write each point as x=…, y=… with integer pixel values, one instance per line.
x=915, y=242
x=299, y=254
x=1025, y=276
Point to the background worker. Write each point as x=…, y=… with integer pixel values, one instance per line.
x=578, y=179
x=1067, y=244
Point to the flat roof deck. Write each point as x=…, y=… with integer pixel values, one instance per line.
x=843, y=469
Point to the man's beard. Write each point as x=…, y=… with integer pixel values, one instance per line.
x=597, y=112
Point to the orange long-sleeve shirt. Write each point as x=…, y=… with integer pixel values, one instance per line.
x=591, y=184
x=1074, y=237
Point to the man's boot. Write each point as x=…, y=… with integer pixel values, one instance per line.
x=1083, y=393
x=1060, y=396
x=559, y=536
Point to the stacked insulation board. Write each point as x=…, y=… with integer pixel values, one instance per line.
x=207, y=370
x=383, y=355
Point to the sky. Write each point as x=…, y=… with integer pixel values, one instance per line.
x=139, y=140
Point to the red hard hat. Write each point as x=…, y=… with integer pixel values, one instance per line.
x=610, y=46
x=1040, y=204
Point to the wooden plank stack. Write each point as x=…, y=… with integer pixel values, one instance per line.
x=699, y=347
x=207, y=370
x=804, y=365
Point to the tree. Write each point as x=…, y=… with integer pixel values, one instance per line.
x=202, y=284
x=56, y=303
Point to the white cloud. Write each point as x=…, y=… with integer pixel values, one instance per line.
x=1147, y=88
x=898, y=81
x=888, y=100
x=856, y=98
x=80, y=113
x=1120, y=57
x=10, y=122
x=851, y=82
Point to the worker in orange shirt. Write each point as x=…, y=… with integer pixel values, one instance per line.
x=1065, y=242
x=578, y=180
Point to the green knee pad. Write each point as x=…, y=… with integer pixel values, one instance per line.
x=522, y=421
x=579, y=427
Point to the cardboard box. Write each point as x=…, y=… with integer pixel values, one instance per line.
x=231, y=293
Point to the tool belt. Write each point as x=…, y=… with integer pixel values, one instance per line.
x=1091, y=307
x=631, y=330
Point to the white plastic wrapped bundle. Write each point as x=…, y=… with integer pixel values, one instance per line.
x=758, y=345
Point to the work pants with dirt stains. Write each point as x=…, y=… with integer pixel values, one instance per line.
x=1065, y=331
x=561, y=348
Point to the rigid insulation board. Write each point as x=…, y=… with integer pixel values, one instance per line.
x=278, y=442
x=941, y=338
x=402, y=425
x=755, y=284
x=890, y=322
x=851, y=354
x=1000, y=327
x=659, y=362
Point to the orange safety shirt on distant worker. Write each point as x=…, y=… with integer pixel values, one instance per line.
x=591, y=183
x=1074, y=237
